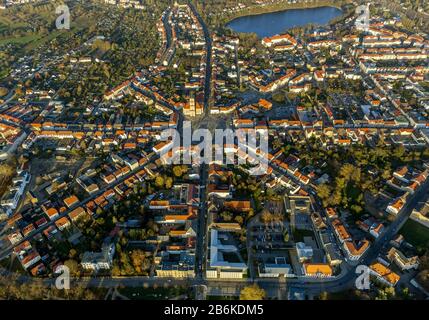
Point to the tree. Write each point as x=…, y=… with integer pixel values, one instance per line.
x=73, y=266
x=399, y=152
x=253, y=292
x=239, y=219
x=356, y=209
x=6, y=170
x=179, y=171
x=279, y=97
x=324, y=296
x=277, y=144
x=168, y=183
x=266, y=216
x=405, y=293
x=3, y=91
x=386, y=293
x=10, y=288
x=324, y=192
x=137, y=258
x=101, y=45
x=250, y=214
x=350, y=172
x=226, y=216
x=286, y=236
x=72, y=253
x=278, y=217
x=159, y=182
x=423, y=279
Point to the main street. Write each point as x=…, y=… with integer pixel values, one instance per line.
x=201, y=254
x=208, y=75
x=201, y=251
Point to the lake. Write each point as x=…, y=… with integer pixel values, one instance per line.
x=269, y=24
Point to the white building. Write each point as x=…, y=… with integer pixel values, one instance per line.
x=402, y=261
x=99, y=260
x=276, y=269
x=304, y=252
x=224, y=259
x=11, y=198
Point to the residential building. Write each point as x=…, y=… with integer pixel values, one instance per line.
x=402, y=261
x=224, y=260
x=99, y=260
x=176, y=264
x=384, y=274
x=318, y=270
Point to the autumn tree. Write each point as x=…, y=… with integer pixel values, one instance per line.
x=179, y=171
x=3, y=92
x=159, y=182
x=252, y=292
x=266, y=216
x=73, y=266
x=168, y=183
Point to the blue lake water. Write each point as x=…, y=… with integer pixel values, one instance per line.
x=269, y=24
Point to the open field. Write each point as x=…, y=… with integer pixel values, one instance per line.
x=416, y=234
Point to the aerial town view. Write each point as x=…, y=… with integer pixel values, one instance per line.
x=214, y=150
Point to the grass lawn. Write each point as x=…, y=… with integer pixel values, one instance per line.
x=20, y=40
x=32, y=41
x=152, y=293
x=298, y=235
x=41, y=40
x=4, y=73
x=416, y=234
